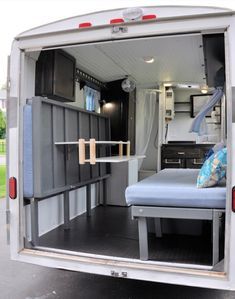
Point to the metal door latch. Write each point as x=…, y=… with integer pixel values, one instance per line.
x=117, y=274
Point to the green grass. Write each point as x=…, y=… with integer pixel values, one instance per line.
x=2, y=146
x=2, y=181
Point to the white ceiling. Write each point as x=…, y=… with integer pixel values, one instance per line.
x=177, y=59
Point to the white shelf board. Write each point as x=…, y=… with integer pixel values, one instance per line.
x=88, y=142
x=117, y=159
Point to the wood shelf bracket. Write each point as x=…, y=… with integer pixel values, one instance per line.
x=92, y=149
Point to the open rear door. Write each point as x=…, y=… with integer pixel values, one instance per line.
x=7, y=156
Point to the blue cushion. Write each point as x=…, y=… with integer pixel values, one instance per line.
x=208, y=154
x=213, y=170
x=28, y=152
x=175, y=188
x=217, y=147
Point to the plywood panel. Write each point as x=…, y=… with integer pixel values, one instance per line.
x=94, y=133
x=103, y=150
x=71, y=133
x=46, y=144
x=56, y=167
x=84, y=132
x=58, y=114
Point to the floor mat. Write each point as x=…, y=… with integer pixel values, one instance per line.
x=111, y=231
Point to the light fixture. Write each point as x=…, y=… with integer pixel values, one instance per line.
x=168, y=84
x=128, y=85
x=187, y=86
x=204, y=88
x=108, y=105
x=148, y=59
x=133, y=14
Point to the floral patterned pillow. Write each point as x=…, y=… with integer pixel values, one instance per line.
x=213, y=170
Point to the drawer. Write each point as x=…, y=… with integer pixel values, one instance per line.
x=173, y=163
x=193, y=151
x=173, y=151
x=203, y=152
x=194, y=163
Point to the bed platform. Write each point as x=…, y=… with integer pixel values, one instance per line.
x=172, y=193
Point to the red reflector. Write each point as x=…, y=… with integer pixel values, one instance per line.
x=233, y=199
x=12, y=188
x=115, y=21
x=149, y=17
x=84, y=25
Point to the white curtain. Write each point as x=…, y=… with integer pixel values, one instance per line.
x=145, y=111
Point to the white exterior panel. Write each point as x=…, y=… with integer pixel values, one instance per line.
x=103, y=18
x=135, y=269
x=77, y=36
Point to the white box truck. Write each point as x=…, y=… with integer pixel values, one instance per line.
x=114, y=69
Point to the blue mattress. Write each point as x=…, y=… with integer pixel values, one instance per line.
x=175, y=188
x=28, y=152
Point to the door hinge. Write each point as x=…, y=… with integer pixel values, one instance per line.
x=8, y=82
x=8, y=215
x=119, y=29
x=8, y=221
x=8, y=85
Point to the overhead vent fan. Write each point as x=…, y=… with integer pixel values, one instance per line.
x=128, y=85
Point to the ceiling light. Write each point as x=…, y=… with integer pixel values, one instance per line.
x=187, y=86
x=204, y=88
x=148, y=59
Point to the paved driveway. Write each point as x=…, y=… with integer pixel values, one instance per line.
x=24, y=281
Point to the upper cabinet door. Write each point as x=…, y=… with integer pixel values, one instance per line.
x=55, y=76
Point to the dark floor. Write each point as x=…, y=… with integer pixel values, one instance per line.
x=25, y=281
x=111, y=231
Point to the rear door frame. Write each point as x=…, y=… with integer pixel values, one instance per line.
x=88, y=36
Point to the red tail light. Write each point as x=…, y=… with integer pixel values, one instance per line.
x=149, y=17
x=233, y=199
x=12, y=188
x=116, y=21
x=85, y=25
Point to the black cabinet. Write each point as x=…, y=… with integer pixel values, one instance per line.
x=183, y=155
x=214, y=53
x=55, y=76
x=120, y=107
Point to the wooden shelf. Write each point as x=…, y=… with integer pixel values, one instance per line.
x=117, y=159
x=82, y=143
x=186, y=103
x=88, y=142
